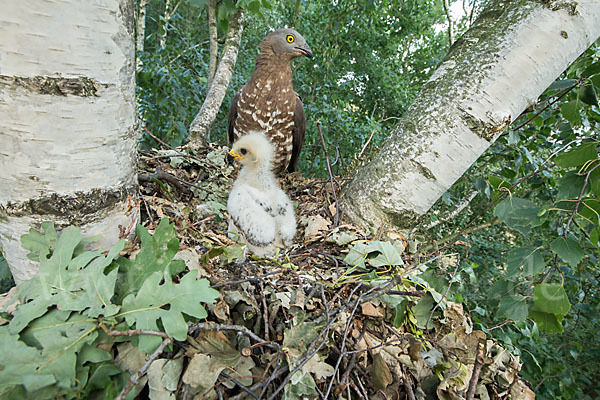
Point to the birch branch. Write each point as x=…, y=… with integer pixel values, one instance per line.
x=200, y=127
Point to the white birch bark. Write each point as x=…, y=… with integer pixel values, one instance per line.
x=67, y=121
x=211, y=7
x=140, y=31
x=510, y=55
x=200, y=127
x=165, y=26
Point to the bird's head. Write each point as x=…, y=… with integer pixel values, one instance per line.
x=253, y=150
x=287, y=43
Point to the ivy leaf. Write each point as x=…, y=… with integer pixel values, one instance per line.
x=568, y=250
x=525, y=260
x=578, y=155
x=519, y=214
x=388, y=254
x=513, y=307
x=156, y=255
x=167, y=302
x=551, y=298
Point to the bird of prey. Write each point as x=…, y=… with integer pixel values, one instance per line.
x=268, y=102
x=260, y=213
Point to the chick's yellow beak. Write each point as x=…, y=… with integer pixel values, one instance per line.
x=235, y=155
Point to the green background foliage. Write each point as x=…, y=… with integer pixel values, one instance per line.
x=530, y=276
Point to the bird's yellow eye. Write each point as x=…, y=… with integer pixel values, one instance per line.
x=290, y=38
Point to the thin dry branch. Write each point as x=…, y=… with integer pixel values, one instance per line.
x=333, y=181
x=135, y=378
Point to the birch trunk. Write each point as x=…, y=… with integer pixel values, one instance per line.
x=67, y=121
x=165, y=26
x=510, y=55
x=200, y=127
x=140, y=32
x=211, y=7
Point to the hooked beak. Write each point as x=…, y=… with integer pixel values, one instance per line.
x=305, y=51
x=235, y=155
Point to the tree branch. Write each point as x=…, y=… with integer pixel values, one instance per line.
x=200, y=127
x=211, y=6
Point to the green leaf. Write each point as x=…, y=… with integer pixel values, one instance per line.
x=527, y=261
x=167, y=302
x=561, y=84
x=570, y=112
x=593, y=69
x=29, y=358
x=388, y=254
x=61, y=336
x=519, y=214
x=357, y=255
x=568, y=250
x=422, y=311
x=548, y=322
x=578, y=155
x=156, y=255
x=197, y=3
x=40, y=244
x=595, y=182
x=551, y=298
x=513, y=307
x=569, y=186
x=60, y=281
x=400, y=314
x=587, y=94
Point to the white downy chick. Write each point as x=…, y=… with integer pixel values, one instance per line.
x=260, y=213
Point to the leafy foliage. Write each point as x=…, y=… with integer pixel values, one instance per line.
x=61, y=319
x=534, y=272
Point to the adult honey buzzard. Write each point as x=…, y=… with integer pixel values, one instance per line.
x=268, y=102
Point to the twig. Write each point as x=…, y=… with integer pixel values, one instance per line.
x=409, y=390
x=265, y=310
x=562, y=94
x=366, y=144
x=579, y=198
x=134, y=379
x=133, y=332
x=331, y=177
x=476, y=370
x=456, y=210
x=445, y=294
x=251, y=279
x=500, y=197
x=239, y=384
x=239, y=328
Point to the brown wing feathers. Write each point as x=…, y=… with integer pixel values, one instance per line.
x=268, y=103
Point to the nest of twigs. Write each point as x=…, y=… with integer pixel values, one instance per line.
x=307, y=324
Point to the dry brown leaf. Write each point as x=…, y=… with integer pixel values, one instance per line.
x=315, y=225
x=380, y=371
x=370, y=310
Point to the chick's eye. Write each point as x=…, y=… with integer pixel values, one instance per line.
x=243, y=151
x=290, y=39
